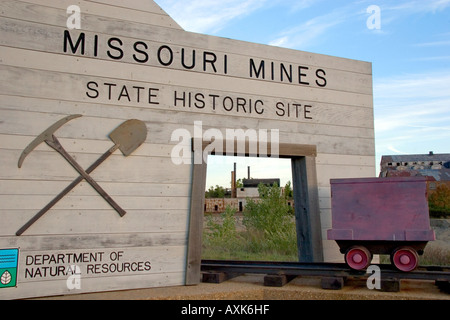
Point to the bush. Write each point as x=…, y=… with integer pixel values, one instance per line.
x=270, y=213
x=439, y=202
x=270, y=235
x=270, y=222
x=223, y=232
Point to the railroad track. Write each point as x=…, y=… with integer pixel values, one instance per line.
x=338, y=271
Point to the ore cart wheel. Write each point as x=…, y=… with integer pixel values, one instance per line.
x=358, y=257
x=405, y=259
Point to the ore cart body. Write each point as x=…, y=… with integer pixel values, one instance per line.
x=380, y=216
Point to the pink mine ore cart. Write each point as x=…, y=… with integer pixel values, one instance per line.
x=380, y=216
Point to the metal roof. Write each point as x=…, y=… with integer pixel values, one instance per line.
x=253, y=183
x=432, y=165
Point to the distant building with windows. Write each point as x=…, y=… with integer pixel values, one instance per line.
x=434, y=166
x=250, y=187
x=248, y=190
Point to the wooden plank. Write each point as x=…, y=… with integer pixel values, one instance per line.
x=52, y=288
x=142, y=5
x=390, y=285
x=12, y=105
x=218, y=277
x=42, y=272
x=161, y=133
x=197, y=40
x=444, y=286
x=284, y=150
x=87, y=146
x=52, y=187
x=48, y=165
x=40, y=11
x=72, y=221
x=150, y=13
x=264, y=91
x=343, y=159
x=327, y=172
x=92, y=202
x=240, y=66
x=332, y=283
x=307, y=212
x=91, y=241
x=277, y=280
x=194, y=251
x=91, y=262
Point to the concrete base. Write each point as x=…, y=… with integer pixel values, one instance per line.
x=251, y=287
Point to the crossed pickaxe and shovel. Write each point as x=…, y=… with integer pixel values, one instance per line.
x=127, y=138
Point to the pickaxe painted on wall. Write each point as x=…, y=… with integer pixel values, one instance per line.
x=127, y=138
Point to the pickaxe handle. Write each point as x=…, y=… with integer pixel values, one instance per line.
x=54, y=143
x=66, y=190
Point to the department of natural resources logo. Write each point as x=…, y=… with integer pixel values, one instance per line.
x=8, y=267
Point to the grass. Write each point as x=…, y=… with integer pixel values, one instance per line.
x=269, y=231
x=245, y=251
x=222, y=241
x=432, y=256
x=269, y=234
x=435, y=256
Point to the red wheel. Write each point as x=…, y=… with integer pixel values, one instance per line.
x=405, y=259
x=358, y=257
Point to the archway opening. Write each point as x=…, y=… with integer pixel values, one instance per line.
x=305, y=197
x=249, y=210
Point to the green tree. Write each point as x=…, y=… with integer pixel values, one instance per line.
x=288, y=192
x=215, y=192
x=439, y=201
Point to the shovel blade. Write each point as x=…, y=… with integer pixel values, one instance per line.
x=129, y=136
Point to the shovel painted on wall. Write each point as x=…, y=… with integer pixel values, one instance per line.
x=127, y=138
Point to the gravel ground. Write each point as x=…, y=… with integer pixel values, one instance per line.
x=441, y=228
x=250, y=287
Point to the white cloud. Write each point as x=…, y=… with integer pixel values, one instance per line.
x=436, y=58
x=280, y=42
x=438, y=4
x=412, y=113
x=306, y=34
x=393, y=149
x=208, y=15
x=415, y=6
x=433, y=44
x=298, y=5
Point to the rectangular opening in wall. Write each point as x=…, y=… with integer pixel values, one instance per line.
x=299, y=160
x=255, y=219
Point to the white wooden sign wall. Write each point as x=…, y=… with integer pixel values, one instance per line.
x=130, y=60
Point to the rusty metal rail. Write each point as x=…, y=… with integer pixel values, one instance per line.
x=435, y=273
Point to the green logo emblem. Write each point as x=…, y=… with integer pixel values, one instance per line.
x=8, y=267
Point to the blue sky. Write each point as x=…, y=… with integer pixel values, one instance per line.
x=410, y=55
